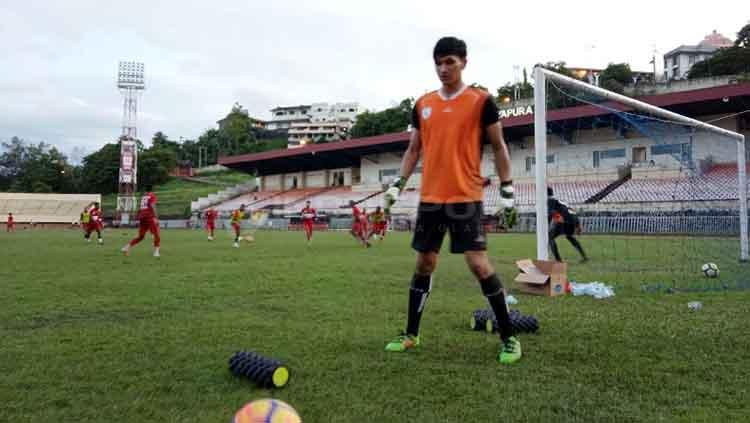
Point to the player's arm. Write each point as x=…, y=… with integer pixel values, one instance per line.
x=494, y=130
x=411, y=157
x=408, y=164
x=500, y=152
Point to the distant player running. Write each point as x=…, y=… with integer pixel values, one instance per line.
x=211, y=216
x=563, y=220
x=95, y=223
x=237, y=217
x=449, y=127
x=10, y=225
x=308, y=217
x=148, y=221
x=85, y=221
x=359, y=225
x=378, y=220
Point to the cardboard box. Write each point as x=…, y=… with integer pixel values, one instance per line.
x=542, y=277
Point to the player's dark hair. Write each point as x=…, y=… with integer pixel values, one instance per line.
x=550, y=193
x=449, y=46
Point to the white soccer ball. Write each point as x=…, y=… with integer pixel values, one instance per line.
x=711, y=270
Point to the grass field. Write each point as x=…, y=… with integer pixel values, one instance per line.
x=90, y=336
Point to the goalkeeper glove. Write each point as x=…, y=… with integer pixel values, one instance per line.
x=392, y=193
x=507, y=215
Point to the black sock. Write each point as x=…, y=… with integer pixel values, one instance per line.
x=577, y=245
x=493, y=290
x=553, y=247
x=418, y=293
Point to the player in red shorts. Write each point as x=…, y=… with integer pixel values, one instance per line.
x=148, y=222
x=211, y=216
x=95, y=223
x=308, y=216
x=359, y=225
x=11, y=225
x=378, y=223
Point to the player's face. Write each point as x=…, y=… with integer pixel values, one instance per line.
x=449, y=69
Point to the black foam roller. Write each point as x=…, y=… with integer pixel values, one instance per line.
x=259, y=369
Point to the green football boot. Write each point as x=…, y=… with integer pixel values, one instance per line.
x=402, y=343
x=511, y=351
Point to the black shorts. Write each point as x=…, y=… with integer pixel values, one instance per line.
x=557, y=229
x=463, y=220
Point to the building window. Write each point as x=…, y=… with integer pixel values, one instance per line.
x=387, y=175
x=691, y=60
x=531, y=161
x=617, y=153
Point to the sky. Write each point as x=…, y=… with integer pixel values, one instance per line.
x=60, y=58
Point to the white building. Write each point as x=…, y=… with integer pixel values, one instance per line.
x=677, y=63
x=326, y=122
x=284, y=117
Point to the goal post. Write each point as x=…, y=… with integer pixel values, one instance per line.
x=542, y=76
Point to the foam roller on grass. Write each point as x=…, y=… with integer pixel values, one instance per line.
x=265, y=372
x=485, y=320
x=520, y=324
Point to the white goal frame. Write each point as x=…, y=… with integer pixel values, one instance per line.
x=541, y=75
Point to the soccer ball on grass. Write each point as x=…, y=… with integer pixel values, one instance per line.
x=710, y=270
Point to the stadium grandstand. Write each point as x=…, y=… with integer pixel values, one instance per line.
x=45, y=210
x=591, y=163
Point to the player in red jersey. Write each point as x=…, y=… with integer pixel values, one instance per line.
x=148, y=221
x=211, y=216
x=359, y=225
x=11, y=225
x=95, y=223
x=378, y=223
x=308, y=216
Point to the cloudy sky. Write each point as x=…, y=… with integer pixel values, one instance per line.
x=59, y=58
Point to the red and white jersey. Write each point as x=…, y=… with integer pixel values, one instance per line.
x=357, y=214
x=147, y=206
x=211, y=215
x=96, y=215
x=308, y=214
x=10, y=220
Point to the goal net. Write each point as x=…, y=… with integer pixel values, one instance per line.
x=655, y=194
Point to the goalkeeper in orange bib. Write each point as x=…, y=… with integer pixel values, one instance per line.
x=449, y=127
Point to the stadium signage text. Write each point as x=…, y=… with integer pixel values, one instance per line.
x=516, y=111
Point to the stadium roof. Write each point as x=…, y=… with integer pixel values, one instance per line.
x=701, y=102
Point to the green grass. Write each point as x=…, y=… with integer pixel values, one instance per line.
x=175, y=195
x=89, y=335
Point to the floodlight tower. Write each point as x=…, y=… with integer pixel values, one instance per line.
x=131, y=83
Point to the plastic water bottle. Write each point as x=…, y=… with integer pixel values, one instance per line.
x=695, y=305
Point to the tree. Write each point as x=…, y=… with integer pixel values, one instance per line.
x=11, y=162
x=727, y=61
x=743, y=37
x=517, y=91
x=154, y=165
x=34, y=168
x=101, y=170
x=394, y=119
x=616, y=77
x=160, y=140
